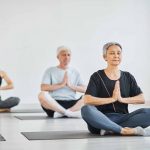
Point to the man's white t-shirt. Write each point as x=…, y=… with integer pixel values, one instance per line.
x=55, y=75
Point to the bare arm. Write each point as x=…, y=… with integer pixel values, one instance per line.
x=53, y=87
x=47, y=87
x=76, y=88
x=80, y=88
x=9, y=83
x=91, y=100
x=139, y=99
x=88, y=99
x=65, y=82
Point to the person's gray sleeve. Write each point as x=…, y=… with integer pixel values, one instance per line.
x=46, y=77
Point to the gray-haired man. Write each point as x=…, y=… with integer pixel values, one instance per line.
x=59, y=87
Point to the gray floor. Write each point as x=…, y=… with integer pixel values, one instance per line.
x=10, y=128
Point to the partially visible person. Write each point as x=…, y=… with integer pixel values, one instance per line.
x=7, y=104
x=59, y=87
x=108, y=94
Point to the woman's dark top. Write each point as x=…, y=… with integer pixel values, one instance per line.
x=128, y=88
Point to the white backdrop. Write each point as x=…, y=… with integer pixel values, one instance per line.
x=31, y=30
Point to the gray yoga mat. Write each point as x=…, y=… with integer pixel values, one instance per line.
x=32, y=117
x=59, y=135
x=2, y=138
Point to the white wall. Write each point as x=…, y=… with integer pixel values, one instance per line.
x=31, y=30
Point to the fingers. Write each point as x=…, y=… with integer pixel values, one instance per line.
x=117, y=85
x=117, y=88
x=64, y=82
x=116, y=92
x=66, y=79
x=65, y=74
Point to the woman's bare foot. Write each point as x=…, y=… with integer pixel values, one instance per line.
x=133, y=131
x=128, y=131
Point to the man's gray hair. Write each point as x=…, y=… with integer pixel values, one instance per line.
x=63, y=48
x=107, y=45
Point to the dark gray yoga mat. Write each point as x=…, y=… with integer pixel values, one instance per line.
x=32, y=117
x=59, y=135
x=2, y=138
